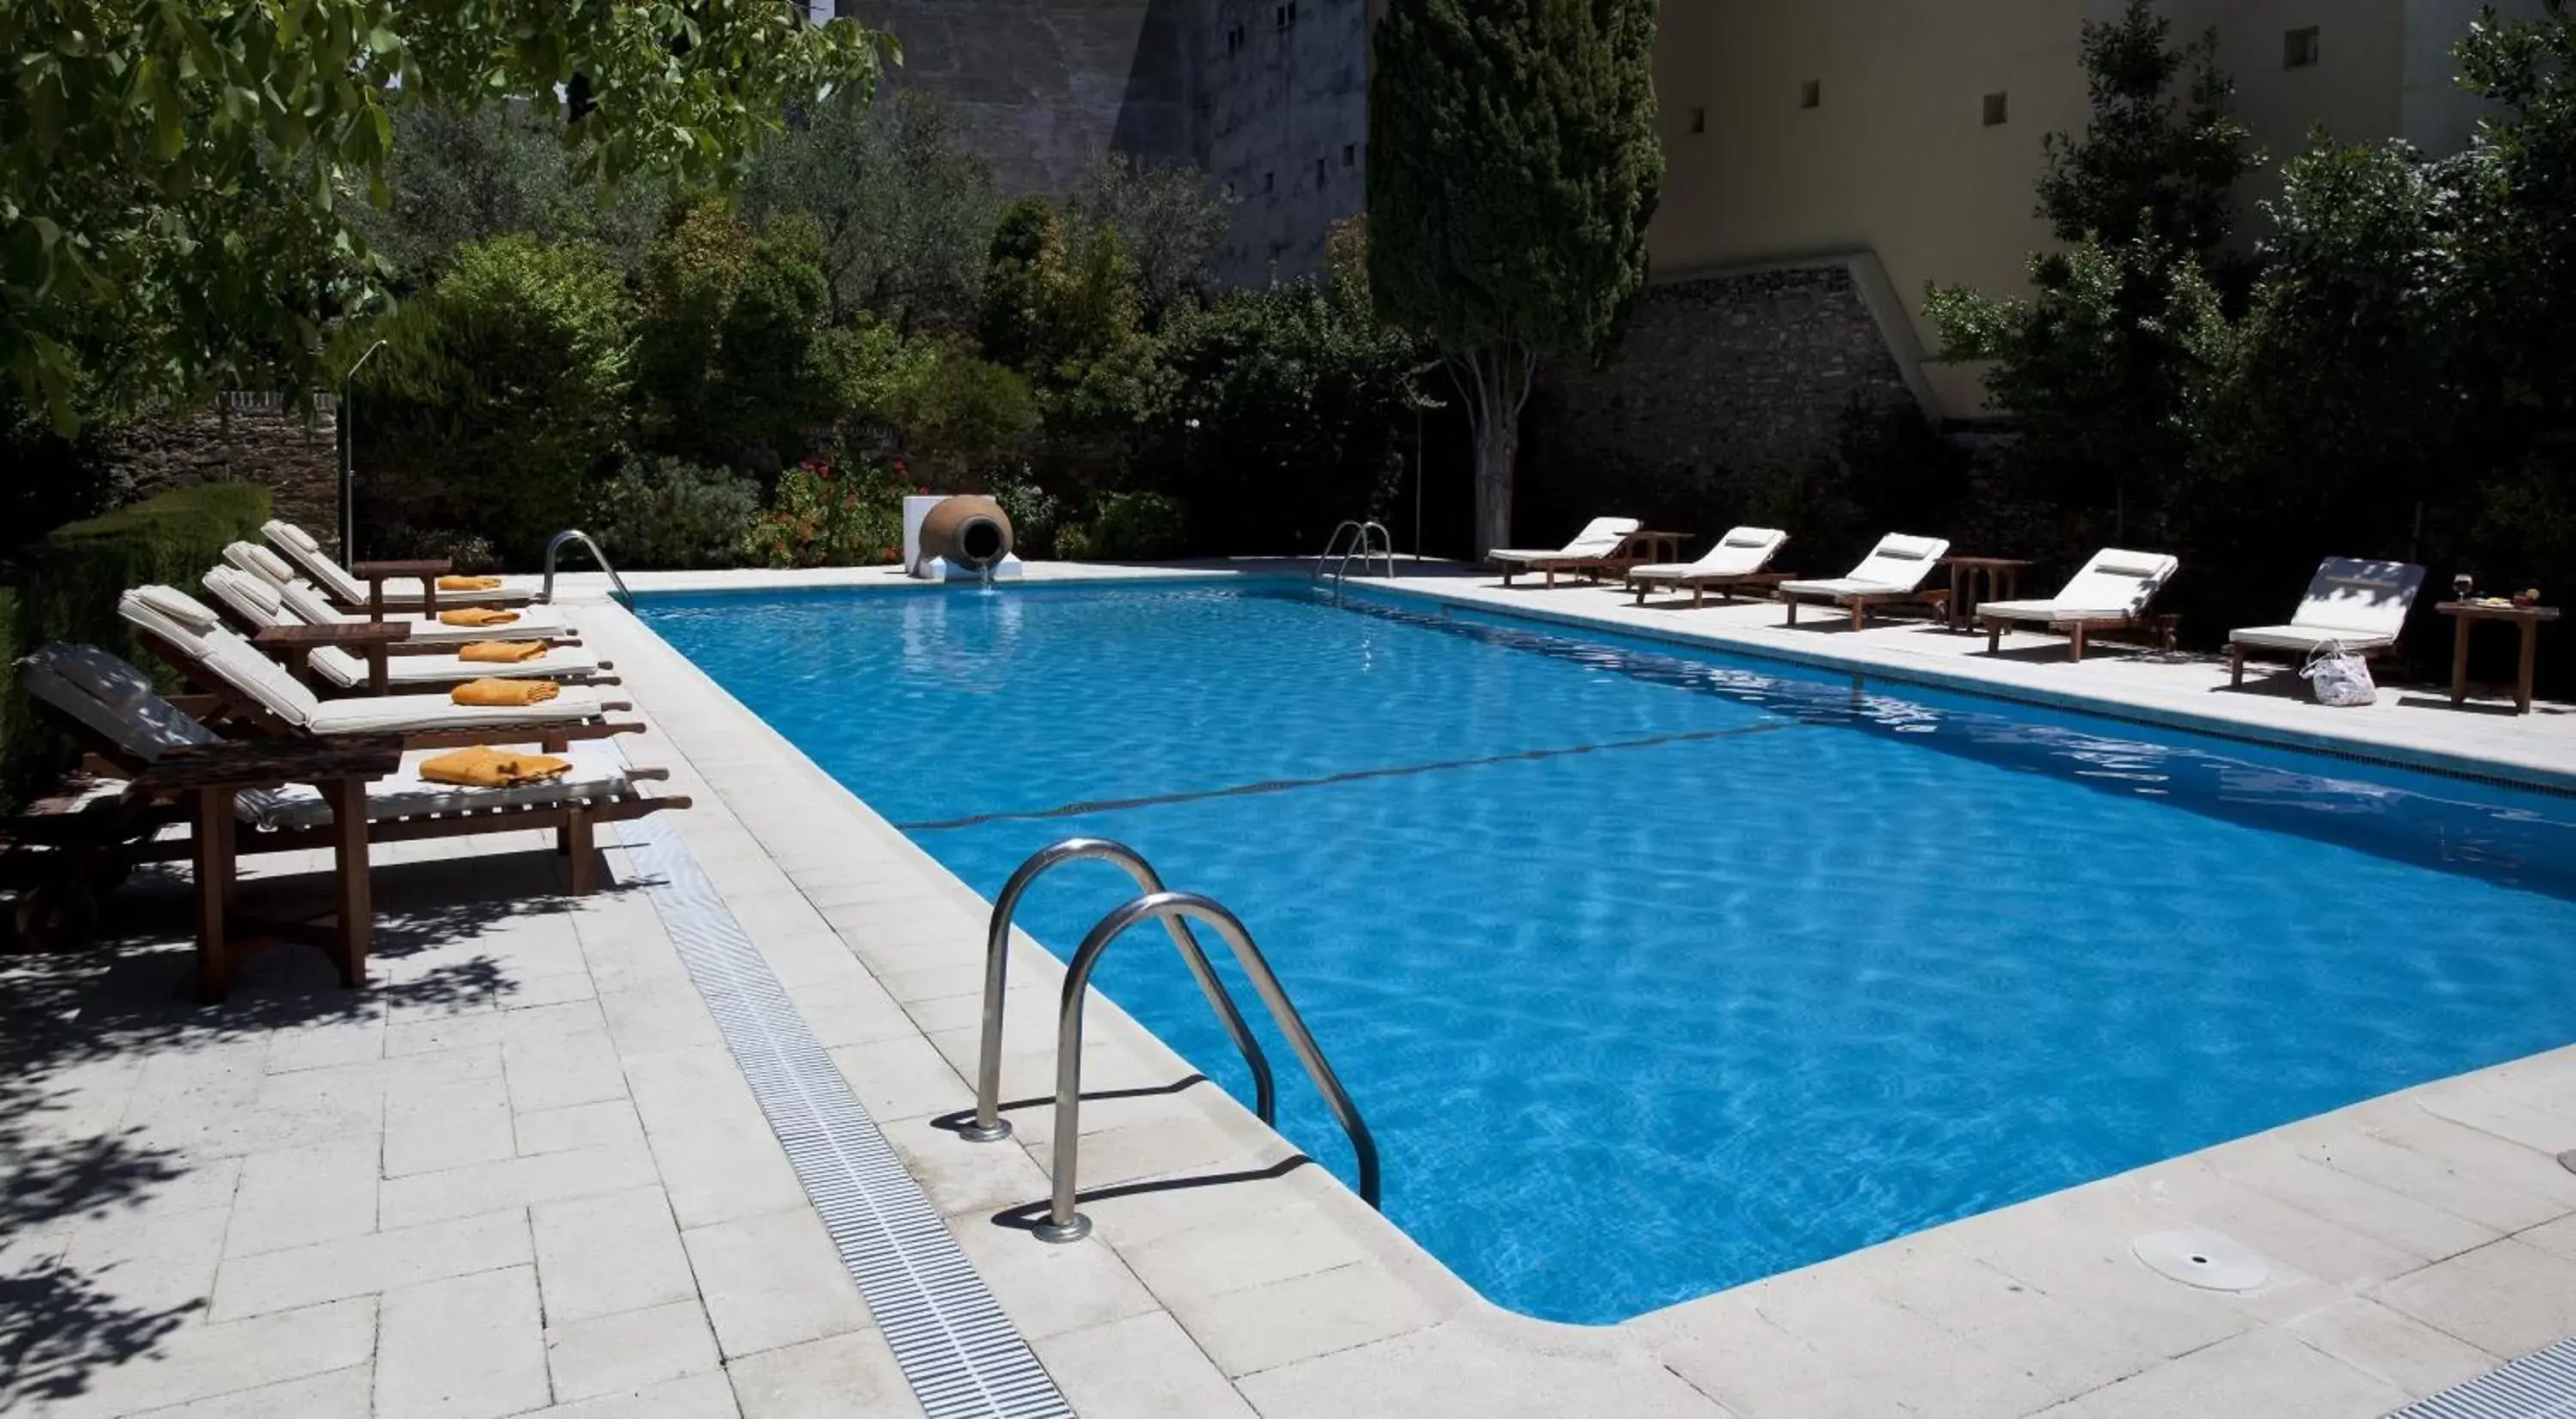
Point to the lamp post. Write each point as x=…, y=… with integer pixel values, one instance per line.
x=349, y=455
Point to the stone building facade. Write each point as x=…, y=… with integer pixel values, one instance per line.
x=241, y=438
x=1268, y=98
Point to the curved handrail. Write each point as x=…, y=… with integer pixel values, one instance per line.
x=1064, y=1222
x=574, y=534
x=1333, y=542
x=989, y=1124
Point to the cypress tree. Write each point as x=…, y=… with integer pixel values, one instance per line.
x=1513, y=166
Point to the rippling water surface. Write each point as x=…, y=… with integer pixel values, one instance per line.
x=1657, y=971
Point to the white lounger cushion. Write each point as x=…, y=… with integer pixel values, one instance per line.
x=310, y=607
x=1599, y=538
x=1898, y=564
x=255, y=600
x=597, y=772
x=348, y=670
x=242, y=666
x=2112, y=586
x=2359, y=604
x=318, y=565
x=1741, y=552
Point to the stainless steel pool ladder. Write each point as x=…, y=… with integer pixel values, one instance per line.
x=1175, y=910
x=574, y=534
x=1359, y=546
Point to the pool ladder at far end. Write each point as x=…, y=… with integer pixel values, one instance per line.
x=575, y=534
x=1359, y=546
x=1065, y=1223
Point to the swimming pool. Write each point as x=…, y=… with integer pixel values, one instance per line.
x=1657, y=970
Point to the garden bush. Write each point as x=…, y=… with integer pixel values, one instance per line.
x=1033, y=512
x=1127, y=527
x=69, y=584
x=666, y=513
x=507, y=387
x=824, y=516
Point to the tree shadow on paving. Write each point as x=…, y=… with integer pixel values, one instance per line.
x=72, y=1025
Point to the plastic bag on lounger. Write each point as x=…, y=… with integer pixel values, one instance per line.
x=2341, y=676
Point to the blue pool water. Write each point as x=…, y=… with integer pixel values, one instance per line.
x=1656, y=971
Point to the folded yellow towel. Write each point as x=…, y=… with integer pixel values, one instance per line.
x=469, y=583
x=477, y=616
x=505, y=693
x=487, y=767
x=502, y=652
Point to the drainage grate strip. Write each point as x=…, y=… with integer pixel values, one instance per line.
x=2540, y=1385
x=961, y=1355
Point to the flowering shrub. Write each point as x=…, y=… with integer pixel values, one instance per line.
x=830, y=517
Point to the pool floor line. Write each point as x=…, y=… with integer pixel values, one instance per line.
x=1288, y=785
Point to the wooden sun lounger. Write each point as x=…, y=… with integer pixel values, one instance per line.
x=2163, y=626
x=1860, y=602
x=232, y=705
x=1725, y=584
x=375, y=642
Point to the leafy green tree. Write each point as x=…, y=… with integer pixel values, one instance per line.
x=2097, y=362
x=1290, y=407
x=458, y=175
x=2333, y=410
x=1513, y=167
x=734, y=358
x=505, y=390
x=175, y=178
x=1062, y=306
x=1169, y=220
x=903, y=209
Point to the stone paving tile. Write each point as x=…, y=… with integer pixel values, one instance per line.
x=2265, y=1372
x=1207, y=1261
x=1894, y=1350
x=1145, y=1366
x=704, y=1396
x=630, y=1350
x=201, y=1361
x=1282, y=1322
x=612, y=1252
x=686, y=1089
x=559, y=1071
x=150, y=1262
x=898, y=1078
x=2479, y=1194
x=725, y=1171
x=2355, y=1203
x=448, y=1125
x=378, y=1261
x=2396, y=1350
x=608, y=1122
x=773, y=1280
x=1509, y=1370
x=1051, y=1288
x=298, y=1196
x=462, y=1348
x=2288, y=1232
x=849, y=1376
x=337, y=1395
x=2064, y=1349
x=2507, y=1298
x=512, y=1182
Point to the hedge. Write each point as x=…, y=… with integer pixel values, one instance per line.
x=69, y=582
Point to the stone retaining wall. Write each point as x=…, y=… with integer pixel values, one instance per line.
x=244, y=438
x=1724, y=385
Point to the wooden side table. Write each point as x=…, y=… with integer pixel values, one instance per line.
x=426, y=569
x=1659, y=547
x=213, y=776
x=2465, y=614
x=2003, y=583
